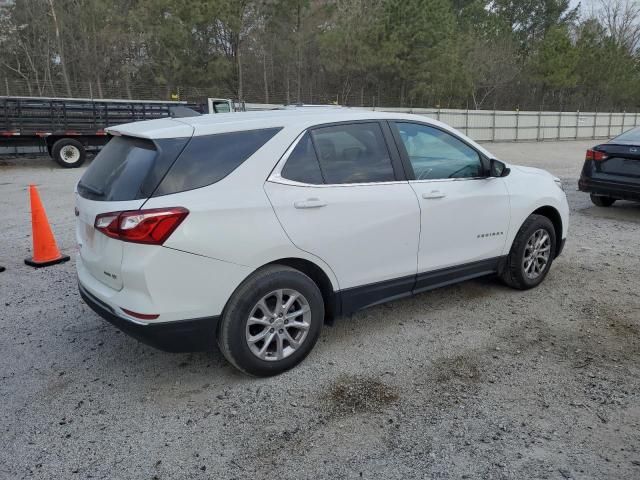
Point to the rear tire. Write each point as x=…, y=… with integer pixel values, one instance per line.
x=601, y=201
x=69, y=153
x=526, y=266
x=259, y=333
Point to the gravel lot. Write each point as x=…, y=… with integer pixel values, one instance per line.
x=471, y=381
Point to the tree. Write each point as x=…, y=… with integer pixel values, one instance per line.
x=350, y=46
x=608, y=73
x=622, y=20
x=25, y=45
x=492, y=64
x=554, y=65
x=530, y=20
x=452, y=53
x=419, y=49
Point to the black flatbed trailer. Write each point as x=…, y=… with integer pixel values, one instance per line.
x=67, y=127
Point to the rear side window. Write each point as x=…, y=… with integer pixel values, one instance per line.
x=208, y=159
x=302, y=165
x=353, y=153
x=129, y=168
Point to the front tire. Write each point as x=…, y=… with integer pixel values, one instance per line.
x=601, y=201
x=531, y=254
x=272, y=321
x=69, y=153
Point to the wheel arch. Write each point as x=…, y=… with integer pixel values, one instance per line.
x=556, y=219
x=320, y=278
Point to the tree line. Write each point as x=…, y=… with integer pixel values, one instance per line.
x=477, y=54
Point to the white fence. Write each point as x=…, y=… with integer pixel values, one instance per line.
x=514, y=126
x=494, y=125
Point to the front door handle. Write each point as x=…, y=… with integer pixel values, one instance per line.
x=434, y=194
x=310, y=203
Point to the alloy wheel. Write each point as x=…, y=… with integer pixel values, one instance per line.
x=278, y=324
x=536, y=254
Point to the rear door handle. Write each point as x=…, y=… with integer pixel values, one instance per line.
x=310, y=203
x=434, y=194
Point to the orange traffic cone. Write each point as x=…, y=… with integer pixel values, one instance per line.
x=45, y=250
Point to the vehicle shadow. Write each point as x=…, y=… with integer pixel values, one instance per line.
x=621, y=210
x=146, y=366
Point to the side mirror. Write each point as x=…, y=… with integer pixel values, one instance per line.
x=498, y=169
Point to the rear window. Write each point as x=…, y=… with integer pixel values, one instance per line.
x=208, y=159
x=129, y=168
x=630, y=136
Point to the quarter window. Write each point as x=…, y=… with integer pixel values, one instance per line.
x=302, y=165
x=208, y=159
x=354, y=153
x=435, y=154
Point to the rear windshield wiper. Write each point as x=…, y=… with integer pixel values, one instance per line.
x=94, y=190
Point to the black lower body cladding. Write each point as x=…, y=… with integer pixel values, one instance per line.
x=180, y=336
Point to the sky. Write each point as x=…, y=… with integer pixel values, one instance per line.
x=585, y=3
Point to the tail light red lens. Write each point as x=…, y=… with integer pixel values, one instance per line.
x=595, y=155
x=152, y=227
x=141, y=316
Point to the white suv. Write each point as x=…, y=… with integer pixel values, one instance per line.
x=254, y=229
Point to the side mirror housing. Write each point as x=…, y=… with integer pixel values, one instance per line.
x=498, y=169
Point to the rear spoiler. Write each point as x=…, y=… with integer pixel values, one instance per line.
x=153, y=129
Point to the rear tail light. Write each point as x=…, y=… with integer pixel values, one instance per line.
x=595, y=155
x=153, y=226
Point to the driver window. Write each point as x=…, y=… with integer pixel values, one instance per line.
x=435, y=154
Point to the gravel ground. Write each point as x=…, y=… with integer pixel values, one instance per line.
x=470, y=381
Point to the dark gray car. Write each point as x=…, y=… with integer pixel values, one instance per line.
x=611, y=170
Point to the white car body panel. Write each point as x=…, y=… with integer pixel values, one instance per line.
x=101, y=256
x=463, y=221
x=382, y=243
x=233, y=225
x=367, y=233
x=167, y=282
x=531, y=189
x=234, y=219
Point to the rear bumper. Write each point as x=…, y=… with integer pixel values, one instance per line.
x=177, y=336
x=619, y=191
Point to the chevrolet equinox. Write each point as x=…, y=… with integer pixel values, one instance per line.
x=254, y=229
